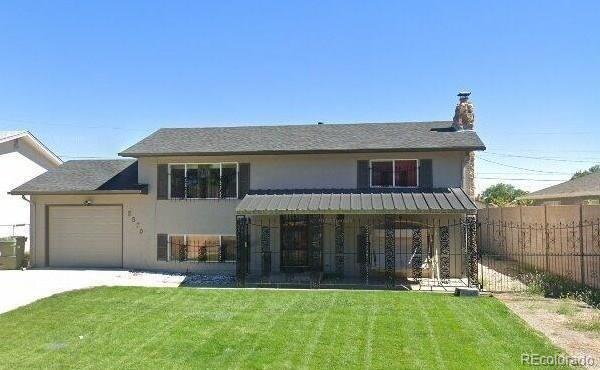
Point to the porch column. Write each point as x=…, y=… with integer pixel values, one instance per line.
x=417, y=252
x=315, y=231
x=390, y=252
x=444, y=254
x=339, y=245
x=265, y=248
x=241, y=257
x=472, y=255
x=364, y=252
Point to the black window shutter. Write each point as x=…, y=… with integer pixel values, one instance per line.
x=161, y=246
x=426, y=173
x=244, y=180
x=362, y=175
x=162, y=181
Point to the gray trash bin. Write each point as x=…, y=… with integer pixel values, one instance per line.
x=12, y=251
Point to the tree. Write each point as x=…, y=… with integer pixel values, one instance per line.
x=593, y=169
x=504, y=194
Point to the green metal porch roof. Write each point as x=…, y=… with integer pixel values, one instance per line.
x=336, y=201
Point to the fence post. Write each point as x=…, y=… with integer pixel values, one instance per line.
x=581, y=244
x=521, y=237
x=547, y=233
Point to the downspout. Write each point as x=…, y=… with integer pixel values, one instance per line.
x=32, y=233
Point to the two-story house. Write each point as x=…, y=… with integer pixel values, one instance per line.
x=334, y=198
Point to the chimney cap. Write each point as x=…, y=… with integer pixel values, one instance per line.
x=463, y=94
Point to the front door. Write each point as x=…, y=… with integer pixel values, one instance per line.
x=294, y=243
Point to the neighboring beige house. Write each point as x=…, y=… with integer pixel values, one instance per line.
x=191, y=197
x=582, y=190
x=22, y=157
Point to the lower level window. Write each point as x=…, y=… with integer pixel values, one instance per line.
x=201, y=248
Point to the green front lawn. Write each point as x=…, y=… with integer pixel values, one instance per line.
x=196, y=328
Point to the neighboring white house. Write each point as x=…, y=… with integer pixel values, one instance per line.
x=22, y=157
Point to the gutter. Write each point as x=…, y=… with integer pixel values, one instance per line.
x=80, y=192
x=282, y=152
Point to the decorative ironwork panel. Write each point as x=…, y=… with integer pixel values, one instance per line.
x=241, y=232
x=265, y=248
x=472, y=255
x=417, y=254
x=444, y=254
x=315, y=225
x=364, y=252
x=339, y=245
x=390, y=253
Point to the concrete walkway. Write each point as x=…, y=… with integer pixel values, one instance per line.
x=18, y=288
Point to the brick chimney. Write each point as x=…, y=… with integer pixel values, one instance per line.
x=464, y=116
x=464, y=113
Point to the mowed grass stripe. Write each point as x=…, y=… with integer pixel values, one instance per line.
x=146, y=328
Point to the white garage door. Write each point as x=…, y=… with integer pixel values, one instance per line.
x=81, y=236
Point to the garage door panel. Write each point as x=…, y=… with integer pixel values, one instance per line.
x=85, y=236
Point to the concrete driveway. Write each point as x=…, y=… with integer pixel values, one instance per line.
x=18, y=288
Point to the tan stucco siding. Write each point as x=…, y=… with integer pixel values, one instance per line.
x=140, y=226
x=305, y=171
x=144, y=216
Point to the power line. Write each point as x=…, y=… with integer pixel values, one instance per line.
x=499, y=149
x=517, y=179
x=21, y=122
x=514, y=173
x=555, y=159
x=525, y=169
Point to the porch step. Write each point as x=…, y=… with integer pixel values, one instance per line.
x=466, y=292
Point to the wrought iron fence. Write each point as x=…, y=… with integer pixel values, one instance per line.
x=513, y=255
x=378, y=251
x=202, y=249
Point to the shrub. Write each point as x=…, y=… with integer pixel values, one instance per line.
x=554, y=286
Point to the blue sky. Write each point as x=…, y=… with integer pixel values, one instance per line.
x=91, y=78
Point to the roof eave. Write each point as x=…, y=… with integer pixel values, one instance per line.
x=49, y=154
x=80, y=192
x=280, y=152
x=561, y=195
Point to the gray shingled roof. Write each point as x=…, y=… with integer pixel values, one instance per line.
x=446, y=200
x=86, y=176
x=406, y=136
x=581, y=187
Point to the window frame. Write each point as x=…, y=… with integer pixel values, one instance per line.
x=237, y=179
x=393, y=173
x=185, y=240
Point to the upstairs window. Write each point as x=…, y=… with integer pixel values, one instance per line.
x=203, y=180
x=394, y=173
